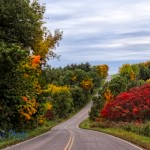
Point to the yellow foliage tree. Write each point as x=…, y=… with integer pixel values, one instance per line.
x=27, y=108
x=108, y=95
x=132, y=75
x=102, y=70
x=54, y=88
x=74, y=78
x=87, y=84
x=128, y=70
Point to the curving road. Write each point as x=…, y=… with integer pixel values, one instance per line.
x=68, y=136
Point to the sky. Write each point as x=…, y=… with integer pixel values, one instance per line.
x=110, y=32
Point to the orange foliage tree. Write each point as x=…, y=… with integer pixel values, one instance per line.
x=108, y=95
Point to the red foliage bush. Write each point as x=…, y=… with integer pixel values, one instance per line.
x=49, y=115
x=129, y=106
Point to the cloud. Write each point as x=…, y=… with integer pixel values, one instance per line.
x=100, y=31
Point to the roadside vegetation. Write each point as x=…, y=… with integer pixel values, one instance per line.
x=124, y=103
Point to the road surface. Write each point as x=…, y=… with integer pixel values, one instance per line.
x=68, y=136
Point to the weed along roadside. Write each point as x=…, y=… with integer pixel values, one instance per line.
x=12, y=134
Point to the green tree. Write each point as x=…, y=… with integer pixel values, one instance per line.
x=62, y=104
x=21, y=22
x=10, y=83
x=130, y=71
x=118, y=84
x=144, y=71
x=78, y=97
x=98, y=103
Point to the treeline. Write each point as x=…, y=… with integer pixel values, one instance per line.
x=69, y=88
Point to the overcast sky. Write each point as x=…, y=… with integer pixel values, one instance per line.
x=100, y=31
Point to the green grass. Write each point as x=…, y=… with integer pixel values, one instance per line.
x=128, y=136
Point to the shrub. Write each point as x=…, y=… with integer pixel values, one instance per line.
x=128, y=106
x=136, y=127
x=145, y=129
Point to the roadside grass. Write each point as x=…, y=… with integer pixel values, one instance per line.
x=136, y=139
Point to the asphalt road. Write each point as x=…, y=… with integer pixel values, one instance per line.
x=68, y=136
